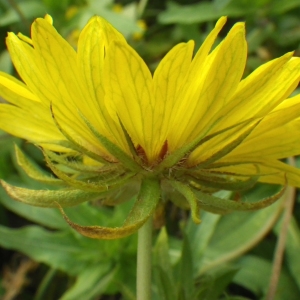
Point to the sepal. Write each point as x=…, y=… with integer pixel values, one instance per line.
x=226, y=206
x=221, y=182
x=72, y=144
x=183, y=152
x=48, y=198
x=33, y=171
x=227, y=148
x=190, y=197
x=114, y=150
x=143, y=208
x=78, y=166
x=91, y=186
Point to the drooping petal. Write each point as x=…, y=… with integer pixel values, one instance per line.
x=13, y=118
x=27, y=113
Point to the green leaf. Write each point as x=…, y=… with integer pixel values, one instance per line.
x=221, y=4
x=124, y=21
x=29, y=9
x=258, y=282
x=186, y=270
x=233, y=234
x=202, y=235
x=163, y=271
x=58, y=249
x=49, y=217
x=164, y=285
x=91, y=282
x=277, y=7
x=214, y=283
x=198, y=13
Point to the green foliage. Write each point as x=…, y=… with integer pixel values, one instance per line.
x=225, y=257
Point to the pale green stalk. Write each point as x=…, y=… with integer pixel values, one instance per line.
x=144, y=254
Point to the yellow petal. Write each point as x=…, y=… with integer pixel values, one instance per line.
x=211, y=90
x=28, y=126
x=275, y=136
x=167, y=83
x=25, y=62
x=279, y=143
x=255, y=101
x=273, y=171
x=29, y=112
x=189, y=86
x=58, y=62
x=90, y=60
x=15, y=88
x=263, y=90
x=129, y=95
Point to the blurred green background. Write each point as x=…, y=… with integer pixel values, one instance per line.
x=226, y=257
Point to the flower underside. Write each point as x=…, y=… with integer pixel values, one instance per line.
x=112, y=183
x=112, y=131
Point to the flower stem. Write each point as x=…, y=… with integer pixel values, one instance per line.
x=144, y=253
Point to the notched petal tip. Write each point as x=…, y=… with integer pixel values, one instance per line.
x=11, y=37
x=46, y=22
x=49, y=19
x=24, y=38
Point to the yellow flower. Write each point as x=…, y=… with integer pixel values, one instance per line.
x=192, y=128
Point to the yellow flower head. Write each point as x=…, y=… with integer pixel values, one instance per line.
x=192, y=128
